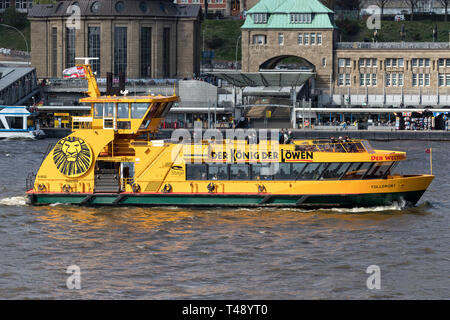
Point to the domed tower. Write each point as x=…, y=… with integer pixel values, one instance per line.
x=141, y=38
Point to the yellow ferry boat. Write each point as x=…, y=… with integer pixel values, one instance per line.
x=112, y=158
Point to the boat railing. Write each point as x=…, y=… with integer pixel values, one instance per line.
x=341, y=147
x=81, y=123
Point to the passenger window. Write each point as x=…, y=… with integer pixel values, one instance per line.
x=160, y=110
x=138, y=110
x=351, y=171
x=218, y=172
x=98, y=110
x=262, y=171
x=357, y=171
x=108, y=110
x=297, y=169
x=239, y=172
x=379, y=170
x=311, y=172
x=196, y=172
x=334, y=171
x=284, y=172
x=122, y=111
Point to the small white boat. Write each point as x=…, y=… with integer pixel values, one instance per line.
x=19, y=122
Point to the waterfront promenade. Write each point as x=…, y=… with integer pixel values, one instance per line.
x=387, y=135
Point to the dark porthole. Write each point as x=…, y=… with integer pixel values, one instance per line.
x=95, y=7
x=120, y=6
x=143, y=6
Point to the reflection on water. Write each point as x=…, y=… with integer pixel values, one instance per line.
x=175, y=253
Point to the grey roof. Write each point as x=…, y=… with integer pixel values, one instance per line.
x=265, y=78
x=11, y=75
x=141, y=8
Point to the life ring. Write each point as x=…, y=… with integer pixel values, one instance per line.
x=167, y=188
x=261, y=188
x=136, y=187
x=42, y=188
x=211, y=187
x=66, y=188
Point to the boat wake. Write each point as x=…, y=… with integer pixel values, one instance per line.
x=393, y=207
x=14, y=201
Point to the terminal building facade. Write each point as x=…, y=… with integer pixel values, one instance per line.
x=357, y=73
x=143, y=39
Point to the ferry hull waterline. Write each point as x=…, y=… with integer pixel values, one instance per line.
x=112, y=159
x=401, y=195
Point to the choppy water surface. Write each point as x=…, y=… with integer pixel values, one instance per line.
x=173, y=253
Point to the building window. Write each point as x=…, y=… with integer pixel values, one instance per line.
x=444, y=62
x=120, y=50
x=120, y=6
x=319, y=38
x=259, y=39
x=4, y=4
x=300, y=17
x=341, y=79
x=324, y=62
x=300, y=38
x=166, y=52
x=54, y=52
x=368, y=62
x=260, y=17
x=70, y=47
x=344, y=77
x=400, y=79
x=95, y=7
x=306, y=38
x=448, y=80
x=441, y=79
x=94, y=47
x=345, y=62
x=421, y=63
x=421, y=79
x=146, y=51
x=367, y=79
x=313, y=38
x=281, y=39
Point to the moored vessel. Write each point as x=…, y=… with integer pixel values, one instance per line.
x=19, y=122
x=113, y=158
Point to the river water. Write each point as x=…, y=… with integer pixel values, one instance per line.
x=173, y=253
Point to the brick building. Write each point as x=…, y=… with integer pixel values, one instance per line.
x=144, y=39
x=400, y=73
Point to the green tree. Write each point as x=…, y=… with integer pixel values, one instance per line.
x=13, y=18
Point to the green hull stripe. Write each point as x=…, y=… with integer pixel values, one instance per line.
x=354, y=200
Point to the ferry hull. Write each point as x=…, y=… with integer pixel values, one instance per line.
x=409, y=198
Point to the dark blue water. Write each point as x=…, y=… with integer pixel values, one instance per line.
x=172, y=253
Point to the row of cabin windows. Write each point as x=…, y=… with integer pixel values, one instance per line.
x=128, y=110
x=289, y=171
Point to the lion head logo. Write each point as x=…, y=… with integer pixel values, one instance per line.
x=72, y=156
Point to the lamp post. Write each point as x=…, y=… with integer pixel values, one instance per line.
x=237, y=45
x=14, y=28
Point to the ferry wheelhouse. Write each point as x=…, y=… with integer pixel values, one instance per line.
x=19, y=122
x=113, y=158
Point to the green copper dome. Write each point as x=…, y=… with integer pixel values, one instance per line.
x=279, y=15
